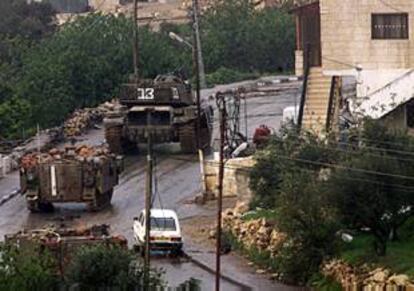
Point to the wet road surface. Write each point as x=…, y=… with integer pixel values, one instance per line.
x=177, y=181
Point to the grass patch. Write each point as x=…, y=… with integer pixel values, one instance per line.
x=226, y=76
x=268, y=214
x=320, y=282
x=261, y=259
x=399, y=257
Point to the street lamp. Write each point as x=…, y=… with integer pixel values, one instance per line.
x=202, y=73
x=179, y=39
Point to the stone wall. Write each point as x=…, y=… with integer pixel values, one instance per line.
x=346, y=35
x=236, y=177
x=366, y=278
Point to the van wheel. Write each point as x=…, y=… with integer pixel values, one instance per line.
x=139, y=250
x=177, y=252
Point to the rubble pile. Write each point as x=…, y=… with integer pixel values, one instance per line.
x=364, y=277
x=80, y=153
x=258, y=232
x=83, y=119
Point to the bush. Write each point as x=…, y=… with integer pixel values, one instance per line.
x=285, y=151
x=26, y=270
x=287, y=178
x=226, y=76
x=309, y=222
x=104, y=266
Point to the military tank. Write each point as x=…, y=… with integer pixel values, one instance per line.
x=75, y=174
x=173, y=115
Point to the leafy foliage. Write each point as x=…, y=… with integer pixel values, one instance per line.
x=46, y=73
x=26, y=270
x=225, y=76
x=236, y=36
x=82, y=64
x=288, y=178
x=310, y=223
x=285, y=153
x=318, y=187
x=381, y=199
x=104, y=266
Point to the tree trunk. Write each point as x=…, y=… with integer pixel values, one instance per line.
x=380, y=247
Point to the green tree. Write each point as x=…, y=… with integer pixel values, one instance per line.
x=289, y=177
x=285, y=151
x=309, y=221
x=104, y=266
x=85, y=63
x=373, y=190
x=237, y=36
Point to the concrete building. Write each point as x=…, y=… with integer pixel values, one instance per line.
x=365, y=45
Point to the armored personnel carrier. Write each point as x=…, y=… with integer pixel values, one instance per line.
x=82, y=174
x=173, y=115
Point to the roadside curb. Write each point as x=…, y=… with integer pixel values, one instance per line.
x=207, y=268
x=264, y=82
x=10, y=196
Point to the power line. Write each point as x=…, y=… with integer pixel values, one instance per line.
x=401, y=187
x=381, y=149
x=355, y=152
x=248, y=169
x=341, y=167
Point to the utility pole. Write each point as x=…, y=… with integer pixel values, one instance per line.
x=197, y=44
x=198, y=69
x=221, y=104
x=148, y=198
x=135, y=32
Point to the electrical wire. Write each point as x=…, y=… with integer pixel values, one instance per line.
x=354, y=152
x=156, y=193
x=380, y=149
x=248, y=169
x=342, y=167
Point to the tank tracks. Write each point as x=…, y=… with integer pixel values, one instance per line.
x=113, y=136
x=39, y=206
x=100, y=201
x=188, y=136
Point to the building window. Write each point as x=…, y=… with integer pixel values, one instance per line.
x=390, y=26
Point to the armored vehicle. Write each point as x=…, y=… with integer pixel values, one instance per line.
x=61, y=242
x=82, y=174
x=173, y=115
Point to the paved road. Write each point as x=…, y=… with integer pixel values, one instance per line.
x=178, y=180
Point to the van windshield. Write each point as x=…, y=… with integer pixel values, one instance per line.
x=163, y=224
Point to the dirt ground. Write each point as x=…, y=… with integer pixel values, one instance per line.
x=198, y=228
